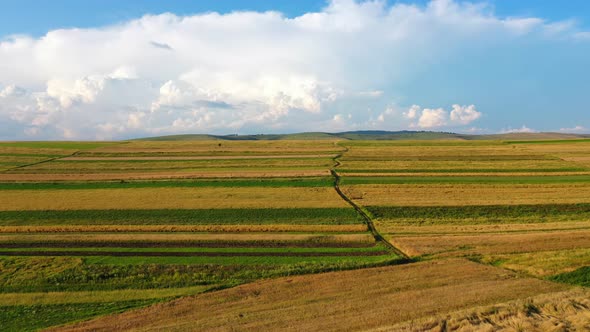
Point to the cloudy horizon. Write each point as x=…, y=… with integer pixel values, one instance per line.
x=353, y=65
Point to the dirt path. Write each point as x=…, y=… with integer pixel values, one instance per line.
x=378, y=237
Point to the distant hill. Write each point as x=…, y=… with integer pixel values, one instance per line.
x=371, y=135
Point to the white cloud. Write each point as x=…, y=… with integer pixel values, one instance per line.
x=412, y=112
x=246, y=71
x=432, y=118
x=523, y=129
x=464, y=114
x=435, y=118
x=575, y=129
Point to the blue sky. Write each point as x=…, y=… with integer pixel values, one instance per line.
x=102, y=69
x=37, y=17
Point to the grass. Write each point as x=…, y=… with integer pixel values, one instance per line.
x=542, y=263
x=59, y=274
x=325, y=216
x=124, y=295
x=35, y=317
x=579, y=277
x=482, y=213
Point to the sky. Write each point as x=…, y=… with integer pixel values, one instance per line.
x=109, y=69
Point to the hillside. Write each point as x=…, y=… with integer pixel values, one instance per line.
x=370, y=135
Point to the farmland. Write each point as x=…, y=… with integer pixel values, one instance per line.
x=272, y=234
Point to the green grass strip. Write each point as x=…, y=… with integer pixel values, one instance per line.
x=35, y=317
x=275, y=182
x=328, y=216
x=260, y=260
x=465, y=179
x=579, y=277
x=581, y=210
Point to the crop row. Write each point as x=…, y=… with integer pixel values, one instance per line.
x=580, y=211
x=271, y=182
x=326, y=216
x=352, y=180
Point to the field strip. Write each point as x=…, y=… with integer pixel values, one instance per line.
x=194, y=183
x=238, y=157
x=184, y=228
x=37, y=163
x=69, y=253
x=171, y=198
x=436, y=173
x=12, y=299
x=142, y=217
x=355, y=180
x=433, y=229
x=324, y=302
x=33, y=177
x=183, y=237
x=492, y=243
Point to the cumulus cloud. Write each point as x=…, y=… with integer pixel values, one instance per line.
x=464, y=114
x=523, y=129
x=248, y=71
x=432, y=118
x=428, y=118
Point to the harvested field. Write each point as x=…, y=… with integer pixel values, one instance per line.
x=170, y=198
x=115, y=166
x=356, y=180
x=563, y=311
x=399, y=227
x=327, y=302
x=14, y=299
x=543, y=263
x=461, y=195
x=461, y=165
x=462, y=245
x=211, y=148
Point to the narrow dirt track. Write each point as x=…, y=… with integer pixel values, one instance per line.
x=378, y=237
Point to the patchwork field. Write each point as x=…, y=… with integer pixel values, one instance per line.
x=90, y=229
